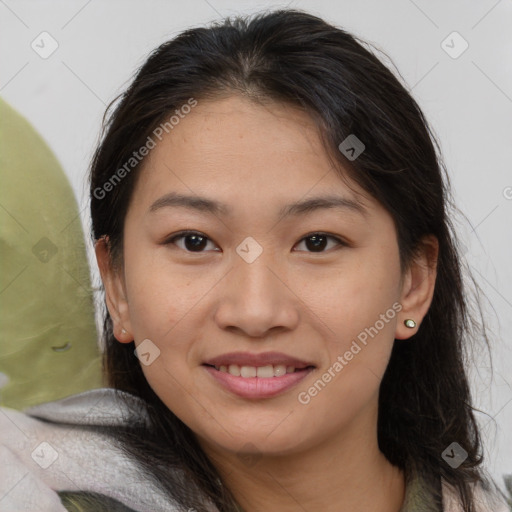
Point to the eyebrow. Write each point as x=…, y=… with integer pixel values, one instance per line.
x=214, y=207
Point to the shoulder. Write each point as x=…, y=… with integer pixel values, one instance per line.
x=57, y=445
x=96, y=407
x=486, y=500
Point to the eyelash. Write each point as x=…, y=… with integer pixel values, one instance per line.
x=184, y=234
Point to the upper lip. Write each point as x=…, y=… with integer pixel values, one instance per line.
x=263, y=359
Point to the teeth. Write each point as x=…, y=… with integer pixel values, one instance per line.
x=248, y=371
x=280, y=369
x=234, y=369
x=263, y=372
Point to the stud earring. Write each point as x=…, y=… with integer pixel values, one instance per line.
x=411, y=324
x=123, y=331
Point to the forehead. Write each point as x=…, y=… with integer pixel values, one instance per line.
x=236, y=128
x=246, y=151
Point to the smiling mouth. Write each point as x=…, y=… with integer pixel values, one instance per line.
x=263, y=372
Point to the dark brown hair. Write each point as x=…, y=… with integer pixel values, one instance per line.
x=296, y=58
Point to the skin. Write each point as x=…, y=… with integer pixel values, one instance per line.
x=273, y=453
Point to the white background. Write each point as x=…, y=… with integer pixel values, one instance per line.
x=468, y=101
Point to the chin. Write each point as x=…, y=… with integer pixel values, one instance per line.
x=259, y=441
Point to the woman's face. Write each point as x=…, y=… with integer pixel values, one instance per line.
x=313, y=317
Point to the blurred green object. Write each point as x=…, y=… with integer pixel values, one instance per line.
x=48, y=338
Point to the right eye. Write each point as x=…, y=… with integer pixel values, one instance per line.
x=194, y=241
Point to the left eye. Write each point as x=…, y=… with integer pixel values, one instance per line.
x=318, y=241
x=196, y=242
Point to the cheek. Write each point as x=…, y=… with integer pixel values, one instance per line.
x=156, y=303
x=158, y=295
x=354, y=298
x=362, y=311
x=349, y=383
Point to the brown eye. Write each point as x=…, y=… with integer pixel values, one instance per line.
x=193, y=241
x=317, y=242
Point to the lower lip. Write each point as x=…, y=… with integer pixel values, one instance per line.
x=257, y=387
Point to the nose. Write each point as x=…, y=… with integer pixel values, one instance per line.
x=256, y=299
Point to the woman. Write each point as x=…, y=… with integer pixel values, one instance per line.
x=286, y=318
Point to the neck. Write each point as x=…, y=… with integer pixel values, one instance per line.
x=344, y=474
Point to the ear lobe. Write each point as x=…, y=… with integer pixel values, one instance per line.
x=115, y=295
x=418, y=287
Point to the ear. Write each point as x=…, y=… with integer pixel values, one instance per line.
x=115, y=292
x=418, y=286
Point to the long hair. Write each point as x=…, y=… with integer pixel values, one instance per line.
x=299, y=59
